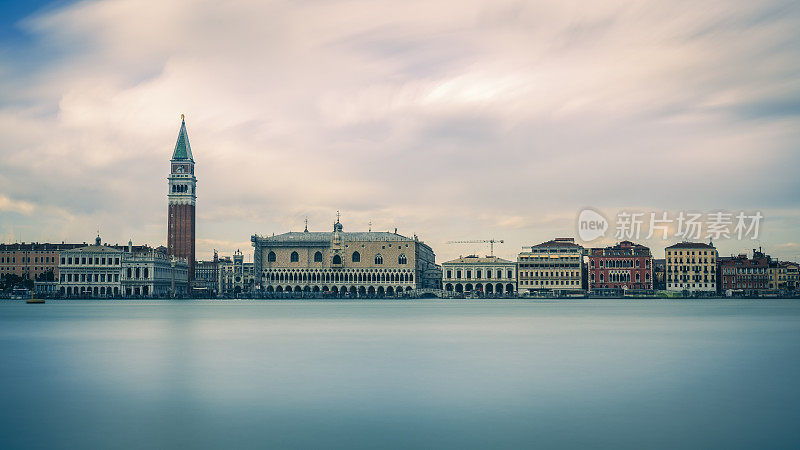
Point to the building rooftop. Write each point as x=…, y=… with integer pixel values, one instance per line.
x=327, y=237
x=97, y=248
x=621, y=249
x=692, y=245
x=558, y=242
x=474, y=259
x=38, y=247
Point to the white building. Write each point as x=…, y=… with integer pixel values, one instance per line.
x=100, y=270
x=91, y=271
x=490, y=276
x=153, y=274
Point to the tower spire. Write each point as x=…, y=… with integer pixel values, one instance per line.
x=338, y=225
x=183, y=151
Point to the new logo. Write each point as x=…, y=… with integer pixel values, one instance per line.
x=591, y=225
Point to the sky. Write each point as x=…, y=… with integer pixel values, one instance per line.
x=451, y=120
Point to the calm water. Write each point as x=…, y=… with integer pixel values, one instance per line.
x=399, y=374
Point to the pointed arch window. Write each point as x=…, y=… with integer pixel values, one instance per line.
x=271, y=257
x=337, y=259
x=402, y=259
x=356, y=257
x=318, y=257
x=378, y=259
x=295, y=257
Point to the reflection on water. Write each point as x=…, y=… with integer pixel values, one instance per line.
x=396, y=374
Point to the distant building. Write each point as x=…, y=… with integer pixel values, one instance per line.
x=91, y=271
x=777, y=275
x=691, y=266
x=490, y=276
x=206, y=276
x=783, y=275
x=792, y=281
x=748, y=275
x=551, y=266
x=236, y=276
x=153, y=274
x=32, y=261
x=620, y=267
x=112, y=271
x=182, y=195
x=432, y=277
x=358, y=263
x=660, y=274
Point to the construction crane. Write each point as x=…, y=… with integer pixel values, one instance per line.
x=491, y=243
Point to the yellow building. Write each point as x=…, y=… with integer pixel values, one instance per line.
x=691, y=266
x=792, y=275
x=783, y=275
x=777, y=275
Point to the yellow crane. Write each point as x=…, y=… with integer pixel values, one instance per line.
x=491, y=243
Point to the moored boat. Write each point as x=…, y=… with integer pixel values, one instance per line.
x=34, y=300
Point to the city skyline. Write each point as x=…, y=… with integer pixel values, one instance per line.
x=450, y=127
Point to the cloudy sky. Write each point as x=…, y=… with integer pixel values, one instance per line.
x=448, y=119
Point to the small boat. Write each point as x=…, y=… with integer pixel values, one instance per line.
x=34, y=300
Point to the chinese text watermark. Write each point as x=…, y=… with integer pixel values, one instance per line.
x=663, y=225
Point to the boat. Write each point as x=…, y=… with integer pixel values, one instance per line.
x=34, y=300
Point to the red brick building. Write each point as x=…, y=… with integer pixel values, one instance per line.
x=740, y=273
x=182, y=196
x=620, y=267
x=32, y=260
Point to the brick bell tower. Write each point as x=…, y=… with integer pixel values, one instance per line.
x=182, y=196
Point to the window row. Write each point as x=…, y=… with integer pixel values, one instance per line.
x=335, y=277
x=84, y=260
x=89, y=278
x=699, y=253
x=549, y=274
x=551, y=282
x=479, y=274
x=27, y=259
x=620, y=263
x=690, y=261
x=620, y=277
x=337, y=259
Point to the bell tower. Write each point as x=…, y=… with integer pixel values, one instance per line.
x=182, y=196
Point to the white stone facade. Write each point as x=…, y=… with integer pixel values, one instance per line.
x=488, y=276
x=153, y=275
x=101, y=271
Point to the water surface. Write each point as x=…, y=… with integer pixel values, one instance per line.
x=399, y=374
